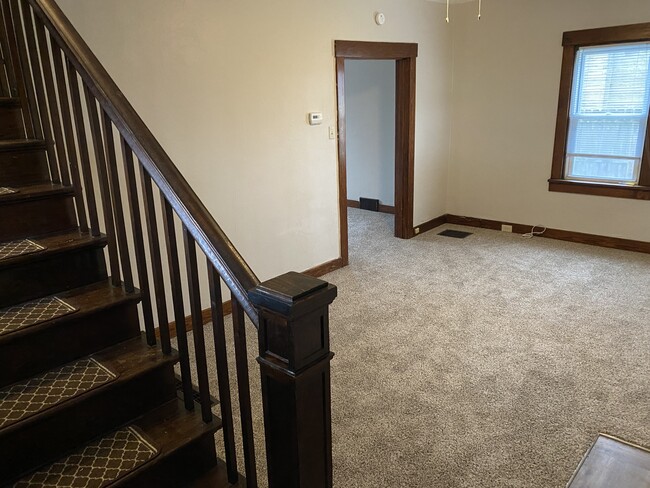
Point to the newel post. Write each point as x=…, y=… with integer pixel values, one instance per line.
x=294, y=360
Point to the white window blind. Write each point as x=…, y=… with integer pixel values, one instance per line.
x=608, y=113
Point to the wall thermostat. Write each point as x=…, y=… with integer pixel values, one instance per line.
x=315, y=118
x=380, y=18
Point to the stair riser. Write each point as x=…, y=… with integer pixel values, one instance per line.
x=28, y=218
x=11, y=123
x=26, y=354
x=98, y=412
x=58, y=273
x=176, y=469
x=18, y=168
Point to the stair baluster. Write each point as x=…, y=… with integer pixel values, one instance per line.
x=156, y=261
x=116, y=201
x=19, y=66
x=177, y=296
x=244, y=392
x=197, y=325
x=69, y=136
x=7, y=79
x=53, y=108
x=136, y=229
x=41, y=97
x=104, y=188
x=221, y=359
x=66, y=98
x=84, y=153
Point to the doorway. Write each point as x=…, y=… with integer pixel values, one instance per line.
x=370, y=134
x=404, y=55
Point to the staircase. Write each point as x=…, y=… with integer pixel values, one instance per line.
x=89, y=281
x=84, y=400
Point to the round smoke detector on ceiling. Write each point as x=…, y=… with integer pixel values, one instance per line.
x=380, y=18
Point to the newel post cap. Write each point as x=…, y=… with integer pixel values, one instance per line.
x=292, y=294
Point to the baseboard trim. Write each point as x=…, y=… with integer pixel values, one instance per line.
x=558, y=234
x=562, y=235
x=206, y=315
x=431, y=224
x=328, y=267
x=389, y=209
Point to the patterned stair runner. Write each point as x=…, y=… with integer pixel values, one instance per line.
x=26, y=398
x=5, y=190
x=18, y=248
x=26, y=314
x=97, y=464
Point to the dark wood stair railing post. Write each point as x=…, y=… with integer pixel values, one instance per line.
x=294, y=359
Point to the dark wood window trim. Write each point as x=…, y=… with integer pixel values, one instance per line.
x=572, y=41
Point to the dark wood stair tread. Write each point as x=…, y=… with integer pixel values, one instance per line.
x=167, y=428
x=120, y=364
x=100, y=462
x=22, y=145
x=10, y=102
x=35, y=192
x=216, y=478
x=55, y=244
x=29, y=398
x=27, y=314
x=86, y=300
x=170, y=426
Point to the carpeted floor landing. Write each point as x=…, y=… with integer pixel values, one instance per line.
x=490, y=361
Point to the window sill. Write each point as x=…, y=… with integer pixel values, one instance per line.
x=600, y=189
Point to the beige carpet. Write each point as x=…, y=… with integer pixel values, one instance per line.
x=492, y=361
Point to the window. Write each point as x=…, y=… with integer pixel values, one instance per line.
x=602, y=142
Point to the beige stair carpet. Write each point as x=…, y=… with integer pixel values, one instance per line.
x=22, y=315
x=96, y=465
x=38, y=393
x=18, y=248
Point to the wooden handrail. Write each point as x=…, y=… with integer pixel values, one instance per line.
x=219, y=250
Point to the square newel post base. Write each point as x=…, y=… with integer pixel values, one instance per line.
x=294, y=360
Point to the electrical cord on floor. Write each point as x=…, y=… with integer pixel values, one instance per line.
x=534, y=233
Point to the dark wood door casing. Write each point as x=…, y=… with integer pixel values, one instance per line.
x=404, y=55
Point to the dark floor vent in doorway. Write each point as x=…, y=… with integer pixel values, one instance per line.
x=458, y=234
x=369, y=204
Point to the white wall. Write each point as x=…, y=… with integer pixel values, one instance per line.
x=226, y=87
x=505, y=91
x=370, y=129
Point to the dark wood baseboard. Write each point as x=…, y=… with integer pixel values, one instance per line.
x=389, y=209
x=328, y=267
x=562, y=235
x=431, y=224
x=206, y=315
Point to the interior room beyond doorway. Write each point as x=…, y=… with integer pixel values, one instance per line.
x=370, y=118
